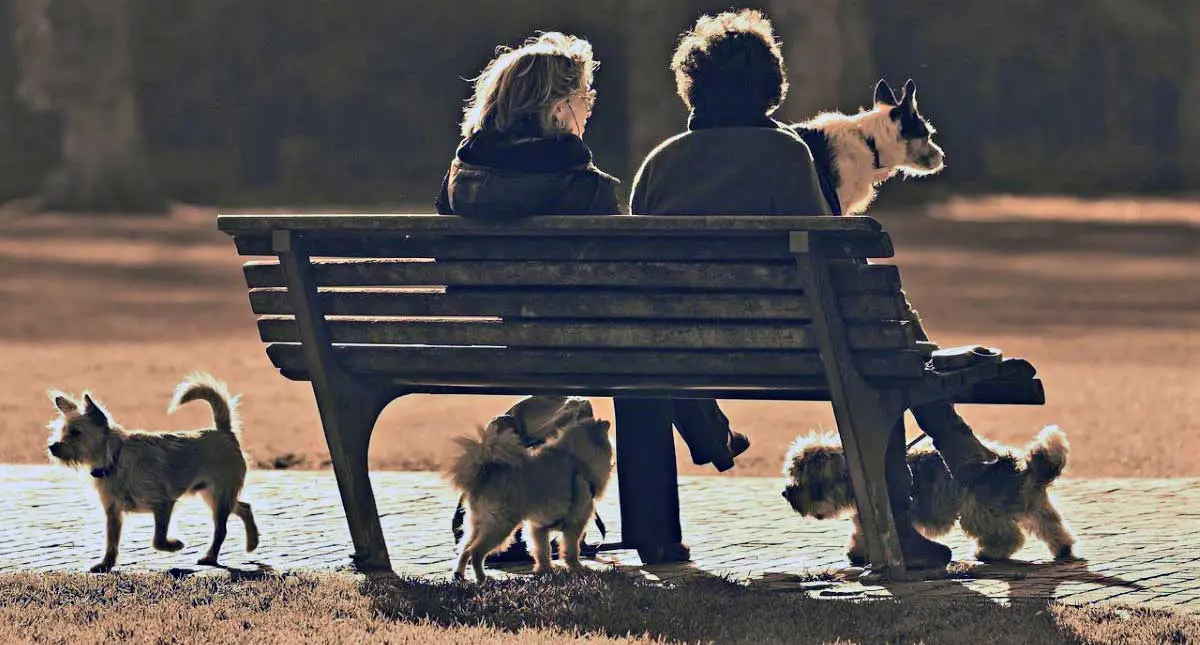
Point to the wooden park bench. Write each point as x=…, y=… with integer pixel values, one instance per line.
x=372, y=307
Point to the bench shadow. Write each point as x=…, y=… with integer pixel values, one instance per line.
x=260, y=571
x=1041, y=580
x=688, y=603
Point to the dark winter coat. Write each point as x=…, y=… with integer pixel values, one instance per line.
x=507, y=176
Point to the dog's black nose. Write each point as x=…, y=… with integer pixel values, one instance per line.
x=55, y=448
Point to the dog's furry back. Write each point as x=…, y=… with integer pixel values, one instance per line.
x=199, y=386
x=481, y=456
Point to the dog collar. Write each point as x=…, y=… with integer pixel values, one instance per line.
x=870, y=141
x=107, y=471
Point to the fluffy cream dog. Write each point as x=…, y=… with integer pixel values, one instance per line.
x=551, y=488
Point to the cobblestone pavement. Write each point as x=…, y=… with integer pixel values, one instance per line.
x=1141, y=537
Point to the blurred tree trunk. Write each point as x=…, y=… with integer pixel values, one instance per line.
x=827, y=49
x=75, y=58
x=655, y=111
x=1189, y=109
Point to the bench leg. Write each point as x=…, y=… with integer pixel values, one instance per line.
x=646, y=476
x=348, y=419
x=348, y=407
x=866, y=441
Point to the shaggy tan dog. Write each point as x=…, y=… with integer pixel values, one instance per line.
x=819, y=487
x=552, y=488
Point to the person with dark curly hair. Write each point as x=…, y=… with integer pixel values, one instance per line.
x=735, y=159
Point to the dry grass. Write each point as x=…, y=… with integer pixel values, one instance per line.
x=126, y=306
x=597, y=607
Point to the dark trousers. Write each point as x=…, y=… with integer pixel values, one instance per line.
x=646, y=471
x=952, y=436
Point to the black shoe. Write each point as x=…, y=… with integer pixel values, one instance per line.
x=919, y=551
x=738, y=443
x=665, y=553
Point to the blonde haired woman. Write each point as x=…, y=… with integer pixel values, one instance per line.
x=522, y=151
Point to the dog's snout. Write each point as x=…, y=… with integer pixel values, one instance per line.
x=55, y=448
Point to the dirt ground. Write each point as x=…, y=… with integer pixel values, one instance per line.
x=1106, y=310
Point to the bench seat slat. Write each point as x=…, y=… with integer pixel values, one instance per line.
x=500, y=362
x=763, y=388
x=672, y=225
x=847, y=277
x=533, y=303
x=573, y=247
x=606, y=334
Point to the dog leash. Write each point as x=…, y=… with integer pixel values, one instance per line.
x=916, y=441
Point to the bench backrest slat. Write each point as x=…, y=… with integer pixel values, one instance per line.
x=448, y=362
x=687, y=334
x=757, y=247
x=594, y=304
x=250, y=224
x=691, y=276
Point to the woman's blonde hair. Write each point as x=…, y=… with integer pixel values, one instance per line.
x=529, y=81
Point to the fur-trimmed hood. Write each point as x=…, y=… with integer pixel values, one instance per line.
x=505, y=176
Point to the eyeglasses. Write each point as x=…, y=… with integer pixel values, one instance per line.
x=589, y=99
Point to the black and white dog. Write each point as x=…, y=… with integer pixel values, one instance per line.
x=855, y=154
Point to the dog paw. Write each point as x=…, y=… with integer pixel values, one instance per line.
x=103, y=567
x=208, y=561
x=251, y=544
x=1066, y=554
x=857, y=559
x=169, y=545
x=543, y=569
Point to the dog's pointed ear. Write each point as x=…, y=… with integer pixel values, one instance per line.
x=884, y=94
x=908, y=99
x=94, y=413
x=62, y=402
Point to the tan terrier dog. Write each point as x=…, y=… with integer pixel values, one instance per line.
x=138, y=471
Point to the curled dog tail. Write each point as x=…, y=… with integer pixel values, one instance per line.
x=494, y=448
x=199, y=386
x=1046, y=456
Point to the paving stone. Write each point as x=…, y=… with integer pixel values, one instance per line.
x=1141, y=537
